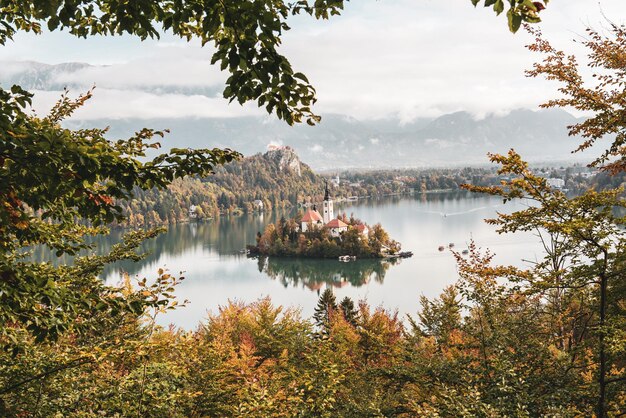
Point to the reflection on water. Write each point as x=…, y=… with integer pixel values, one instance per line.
x=315, y=273
x=216, y=270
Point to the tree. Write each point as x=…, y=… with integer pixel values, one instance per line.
x=326, y=305
x=518, y=10
x=581, y=276
x=586, y=253
x=49, y=182
x=439, y=318
x=350, y=313
x=53, y=177
x=601, y=94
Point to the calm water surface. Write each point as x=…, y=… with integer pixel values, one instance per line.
x=215, y=272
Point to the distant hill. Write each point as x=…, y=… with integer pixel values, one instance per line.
x=276, y=178
x=37, y=76
x=343, y=142
x=339, y=141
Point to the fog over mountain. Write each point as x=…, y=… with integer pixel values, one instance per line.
x=340, y=141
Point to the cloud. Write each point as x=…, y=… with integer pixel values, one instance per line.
x=401, y=58
x=11, y=68
x=274, y=144
x=126, y=104
x=423, y=58
x=174, y=66
x=317, y=148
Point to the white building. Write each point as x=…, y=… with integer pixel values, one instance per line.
x=327, y=211
x=311, y=218
x=556, y=183
x=258, y=204
x=192, y=212
x=337, y=226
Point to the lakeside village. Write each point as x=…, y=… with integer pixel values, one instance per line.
x=322, y=235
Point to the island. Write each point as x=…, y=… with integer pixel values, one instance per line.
x=322, y=235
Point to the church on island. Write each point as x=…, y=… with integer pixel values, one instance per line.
x=322, y=234
x=313, y=219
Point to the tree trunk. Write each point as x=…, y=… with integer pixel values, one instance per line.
x=602, y=371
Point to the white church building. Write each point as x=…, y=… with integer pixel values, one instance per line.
x=312, y=218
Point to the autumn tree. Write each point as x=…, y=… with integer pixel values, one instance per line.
x=581, y=277
x=600, y=94
x=581, y=274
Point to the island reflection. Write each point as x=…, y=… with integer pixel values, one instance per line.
x=315, y=273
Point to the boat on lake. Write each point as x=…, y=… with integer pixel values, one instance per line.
x=346, y=258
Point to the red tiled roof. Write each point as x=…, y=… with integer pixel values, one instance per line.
x=340, y=284
x=312, y=216
x=337, y=223
x=360, y=227
x=314, y=285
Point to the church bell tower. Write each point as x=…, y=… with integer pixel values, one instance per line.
x=327, y=214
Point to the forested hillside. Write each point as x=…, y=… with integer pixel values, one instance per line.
x=277, y=178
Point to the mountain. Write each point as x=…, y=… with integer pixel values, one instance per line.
x=38, y=76
x=79, y=77
x=340, y=141
x=343, y=142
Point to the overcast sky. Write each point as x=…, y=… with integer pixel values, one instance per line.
x=386, y=58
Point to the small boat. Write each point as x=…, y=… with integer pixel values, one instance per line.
x=451, y=245
x=346, y=258
x=465, y=252
x=441, y=248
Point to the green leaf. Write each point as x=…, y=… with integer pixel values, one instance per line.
x=515, y=20
x=53, y=23
x=301, y=77
x=498, y=7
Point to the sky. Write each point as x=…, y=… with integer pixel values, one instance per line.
x=401, y=59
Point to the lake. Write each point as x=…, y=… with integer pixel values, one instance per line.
x=216, y=271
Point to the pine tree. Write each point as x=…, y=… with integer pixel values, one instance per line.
x=349, y=312
x=325, y=306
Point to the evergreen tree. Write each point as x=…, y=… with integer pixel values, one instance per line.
x=350, y=314
x=323, y=311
